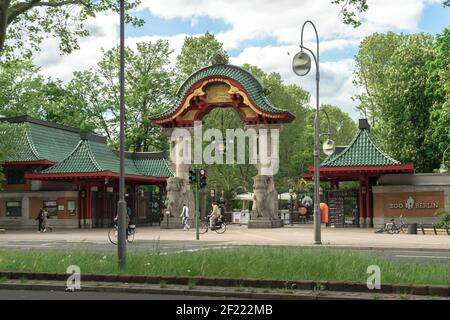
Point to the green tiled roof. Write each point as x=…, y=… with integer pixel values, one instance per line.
x=153, y=167
x=91, y=156
x=41, y=142
x=362, y=151
x=79, y=153
x=251, y=84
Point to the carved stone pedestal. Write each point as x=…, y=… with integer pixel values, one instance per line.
x=265, y=204
x=178, y=193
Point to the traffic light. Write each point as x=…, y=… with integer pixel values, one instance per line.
x=203, y=178
x=193, y=176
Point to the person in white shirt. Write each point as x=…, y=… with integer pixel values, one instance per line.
x=215, y=215
x=185, y=217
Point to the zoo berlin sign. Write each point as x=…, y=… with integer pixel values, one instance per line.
x=411, y=204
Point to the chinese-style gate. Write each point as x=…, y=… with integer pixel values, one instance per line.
x=222, y=86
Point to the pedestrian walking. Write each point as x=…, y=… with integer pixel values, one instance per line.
x=356, y=216
x=40, y=220
x=46, y=216
x=185, y=218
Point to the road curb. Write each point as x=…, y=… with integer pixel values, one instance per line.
x=208, y=292
x=317, y=286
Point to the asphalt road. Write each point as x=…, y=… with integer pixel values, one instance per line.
x=136, y=246
x=59, y=295
x=167, y=246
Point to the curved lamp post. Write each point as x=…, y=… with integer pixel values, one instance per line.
x=444, y=168
x=301, y=65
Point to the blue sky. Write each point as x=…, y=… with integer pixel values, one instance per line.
x=261, y=32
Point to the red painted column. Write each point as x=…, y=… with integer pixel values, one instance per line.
x=88, y=205
x=104, y=210
x=80, y=207
x=361, y=202
x=368, y=211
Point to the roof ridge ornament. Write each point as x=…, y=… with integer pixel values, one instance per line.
x=220, y=59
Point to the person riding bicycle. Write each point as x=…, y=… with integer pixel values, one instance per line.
x=128, y=220
x=215, y=215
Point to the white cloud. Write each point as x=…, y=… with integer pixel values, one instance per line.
x=281, y=19
x=336, y=77
x=103, y=34
x=252, y=20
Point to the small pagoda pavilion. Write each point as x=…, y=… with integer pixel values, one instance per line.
x=74, y=176
x=362, y=161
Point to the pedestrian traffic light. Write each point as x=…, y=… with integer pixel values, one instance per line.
x=193, y=176
x=203, y=178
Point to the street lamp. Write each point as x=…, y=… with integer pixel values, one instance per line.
x=301, y=65
x=329, y=147
x=122, y=205
x=444, y=168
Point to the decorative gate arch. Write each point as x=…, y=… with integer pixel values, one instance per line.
x=223, y=86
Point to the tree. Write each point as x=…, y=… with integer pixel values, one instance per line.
x=405, y=78
x=24, y=91
x=372, y=62
x=197, y=53
x=342, y=127
x=24, y=24
x=95, y=94
x=351, y=8
x=438, y=134
x=406, y=105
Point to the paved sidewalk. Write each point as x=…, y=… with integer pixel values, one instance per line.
x=240, y=235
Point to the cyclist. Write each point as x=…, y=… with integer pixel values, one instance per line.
x=128, y=220
x=215, y=215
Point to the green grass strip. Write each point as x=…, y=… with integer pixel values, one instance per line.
x=277, y=263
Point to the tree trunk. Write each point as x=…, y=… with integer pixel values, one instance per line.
x=4, y=5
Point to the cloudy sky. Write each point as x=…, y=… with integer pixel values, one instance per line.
x=259, y=32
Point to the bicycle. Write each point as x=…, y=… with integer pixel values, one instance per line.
x=220, y=226
x=393, y=227
x=114, y=231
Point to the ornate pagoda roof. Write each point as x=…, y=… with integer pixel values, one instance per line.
x=240, y=81
x=362, y=151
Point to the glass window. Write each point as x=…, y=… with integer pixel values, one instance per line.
x=13, y=209
x=16, y=177
x=71, y=207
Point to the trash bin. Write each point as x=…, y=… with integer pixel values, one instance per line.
x=412, y=228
